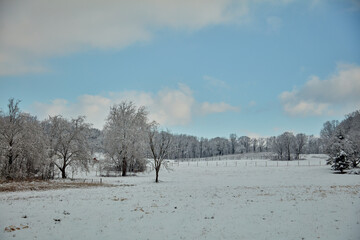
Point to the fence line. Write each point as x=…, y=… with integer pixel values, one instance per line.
x=228, y=157
x=252, y=163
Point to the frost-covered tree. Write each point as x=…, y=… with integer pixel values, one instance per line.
x=160, y=145
x=125, y=136
x=261, y=144
x=283, y=145
x=329, y=129
x=254, y=143
x=315, y=145
x=233, y=142
x=278, y=147
x=220, y=146
x=287, y=140
x=22, y=145
x=11, y=135
x=300, y=142
x=245, y=143
x=34, y=154
x=68, y=144
x=95, y=140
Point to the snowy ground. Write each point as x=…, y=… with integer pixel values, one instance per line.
x=214, y=200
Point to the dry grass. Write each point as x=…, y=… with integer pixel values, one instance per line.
x=42, y=185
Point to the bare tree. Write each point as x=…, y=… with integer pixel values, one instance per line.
x=68, y=143
x=315, y=145
x=261, y=144
x=245, y=143
x=11, y=129
x=233, y=142
x=254, y=142
x=125, y=134
x=329, y=129
x=300, y=142
x=277, y=146
x=283, y=145
x=287, y=140
x=159, y=143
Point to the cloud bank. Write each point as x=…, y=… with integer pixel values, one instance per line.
x=32, y=30
x=338, y=94
x=168, y=107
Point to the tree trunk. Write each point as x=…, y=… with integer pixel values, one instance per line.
x=124, y=167
x=10, y=158
x=289, y=154
x=157, y=174
x=63, y=173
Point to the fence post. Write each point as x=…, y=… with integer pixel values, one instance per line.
x=100, y=180
x=277, y=163
x=309, y=163
x=265, y=164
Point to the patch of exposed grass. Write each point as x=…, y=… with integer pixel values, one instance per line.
x=42, y=185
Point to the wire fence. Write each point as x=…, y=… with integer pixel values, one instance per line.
x=250, y=156
x=247, y=163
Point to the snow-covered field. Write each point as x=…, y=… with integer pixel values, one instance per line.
x=224, y=200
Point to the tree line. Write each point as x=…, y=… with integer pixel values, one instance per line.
x=30, y=148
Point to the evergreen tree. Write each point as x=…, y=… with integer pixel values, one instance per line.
x=341, y=162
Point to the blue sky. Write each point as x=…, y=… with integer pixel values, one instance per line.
x=205, y=68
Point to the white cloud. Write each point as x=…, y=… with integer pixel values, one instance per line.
x=95, y=108
x=173, y=107
x=215, y=82
x=168, y=107
x=32, y=30
x=208, y=108
x=339, y=94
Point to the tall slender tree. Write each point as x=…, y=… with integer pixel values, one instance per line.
x=160, y=145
